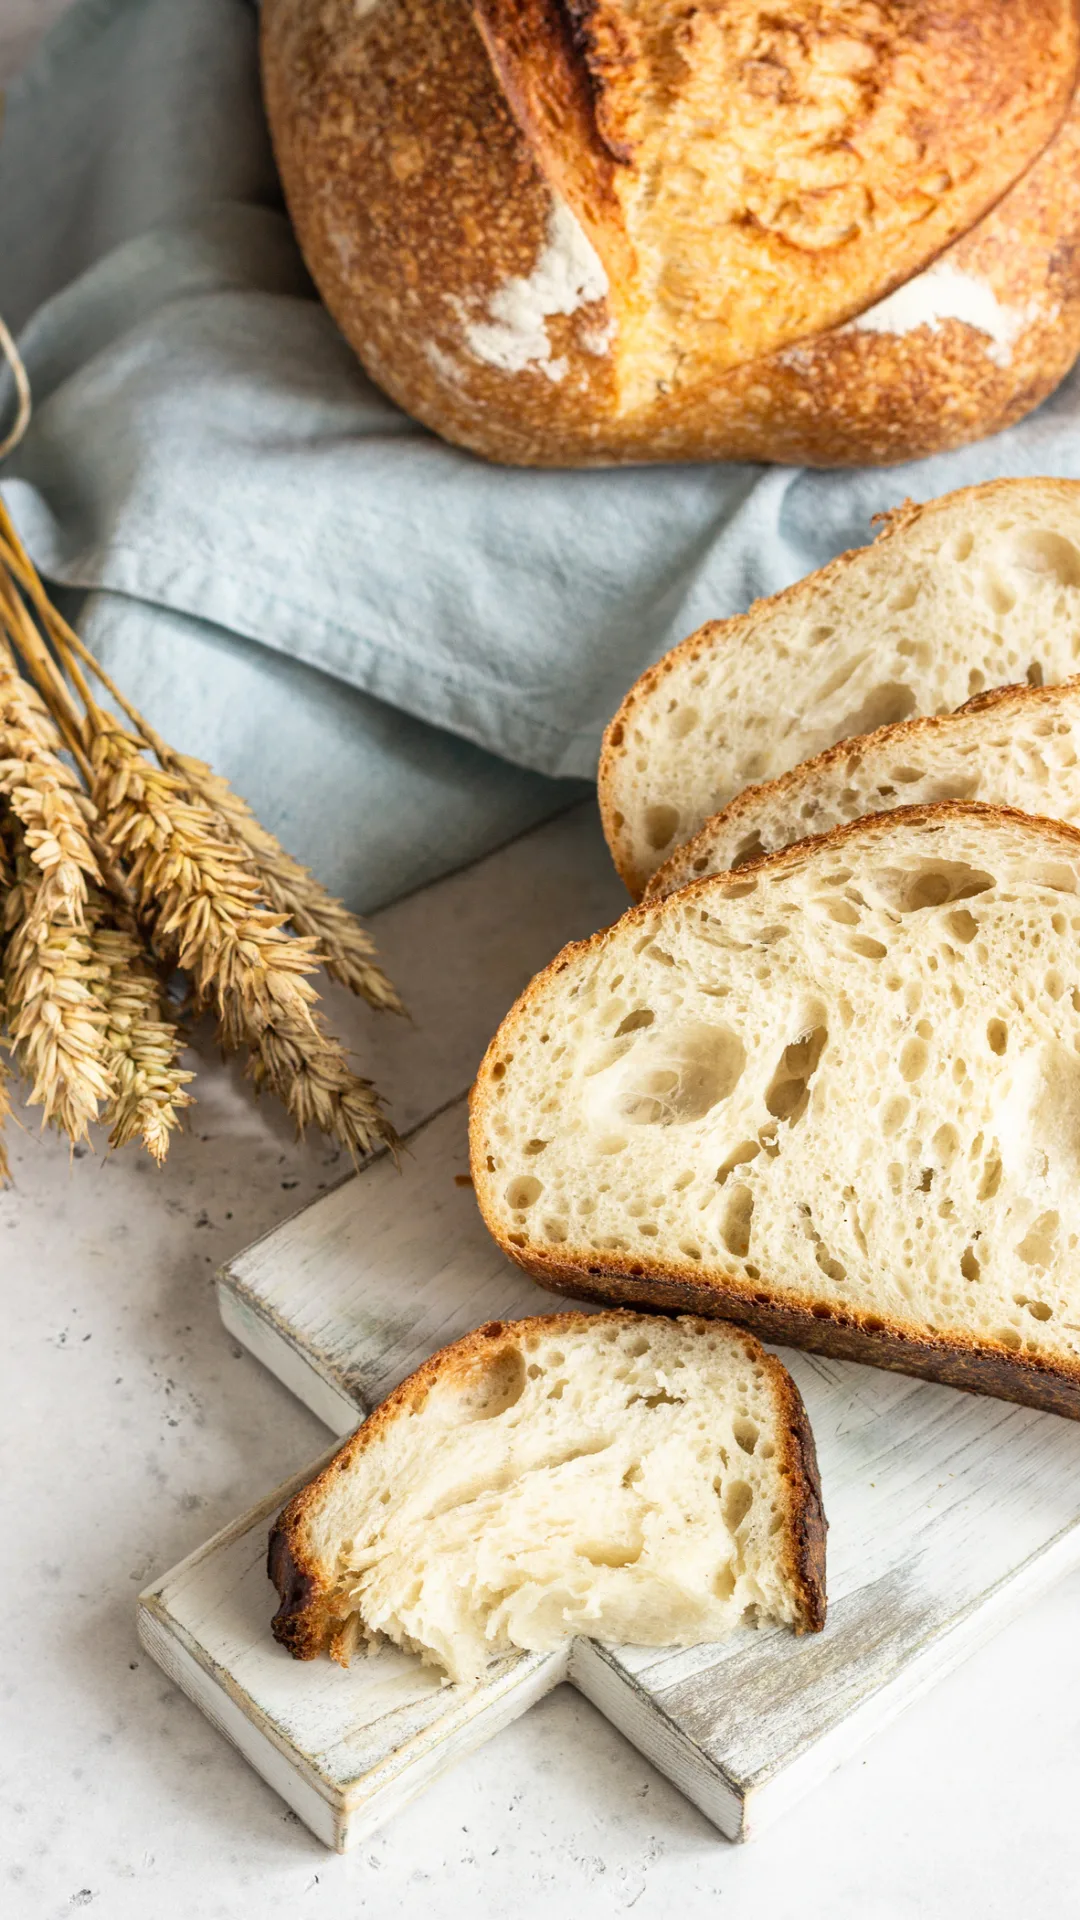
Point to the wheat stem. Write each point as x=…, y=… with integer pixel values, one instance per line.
x=22, y=393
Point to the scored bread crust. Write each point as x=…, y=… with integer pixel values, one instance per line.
x=426, y=146
x=305, y=1622
x=717, y=637
x=998, y=704
x=764, y=1305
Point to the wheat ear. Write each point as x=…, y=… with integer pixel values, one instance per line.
x=348, y=952
x=201, y=902
x=44, y=795
x=148, y=1086
x=55, y=1020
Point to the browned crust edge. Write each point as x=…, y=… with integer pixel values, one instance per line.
x=806, y=1513
x=767, y=1308
x=717, y=635
x=676, y=871
x=304, y=1623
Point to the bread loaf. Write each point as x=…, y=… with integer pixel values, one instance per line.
x=631, y=1478
x=966, y=593
x=834, y=1095
x=1016, y=747
x=567, y=234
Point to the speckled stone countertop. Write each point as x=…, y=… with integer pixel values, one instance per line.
x=134, y=1427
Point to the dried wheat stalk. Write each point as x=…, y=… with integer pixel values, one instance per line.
x=138, y=846
x=44, y=794
x=201, y=902
x=148, y=1086
x=55, y=1020
x=348, y=952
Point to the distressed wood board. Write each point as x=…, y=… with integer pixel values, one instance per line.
x=948, y=1513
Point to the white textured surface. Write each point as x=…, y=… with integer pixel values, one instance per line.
x=135, y=1428
x=567, y=275
x=945, y=292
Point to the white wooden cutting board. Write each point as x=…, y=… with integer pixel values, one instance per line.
x=948, y=1513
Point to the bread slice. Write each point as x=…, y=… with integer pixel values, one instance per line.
x=968, y=592
x=1016, y=747
x=628, y=1477
x=834, y=1095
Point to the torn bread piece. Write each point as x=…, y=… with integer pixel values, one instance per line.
x=625, y=1476
x=834, y=1095
x=971, y=591
x=1014, y=747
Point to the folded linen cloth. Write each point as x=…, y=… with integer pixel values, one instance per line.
x=399, y=654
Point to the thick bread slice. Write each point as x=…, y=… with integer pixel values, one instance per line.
x=629, y=1477
x=1014, y=747
x=968, y=592
x=834, y=1095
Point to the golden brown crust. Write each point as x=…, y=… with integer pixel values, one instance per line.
x=767, y=1307
x=305, y=1622
x=716, y=636
x=419, y=145
x=1015, y=699
x=808, y=1525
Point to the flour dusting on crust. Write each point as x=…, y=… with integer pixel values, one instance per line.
x=568, y=274
x=944, y=292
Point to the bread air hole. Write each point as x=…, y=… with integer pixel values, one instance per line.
x=661, y=825
x=641, y=1017
x=751, y=847
x=1046, y=554
x=740, y=1156
x=1039, y=1245
x=995, y=592
x=997, y=1036
x=914, y=1059
x=737, y=1500
x=788, y=1092
x=962, y=925
x=659, y=1398
x=910, y=890
x=523, y=1192
x=501, y=1386
x=669, y=1077
x=881, y=708
x=991, y=1177
x=738, y=1216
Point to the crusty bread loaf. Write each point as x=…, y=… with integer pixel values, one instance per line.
x=1014, y=747
x=834, y=1095
x=954, y=597
x=629, y=1477
x=646, y=230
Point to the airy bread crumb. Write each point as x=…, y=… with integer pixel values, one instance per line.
x=966, y=593
x=834, y=1094
x=629, y=1477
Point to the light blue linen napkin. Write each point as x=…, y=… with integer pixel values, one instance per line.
x=400, y=654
